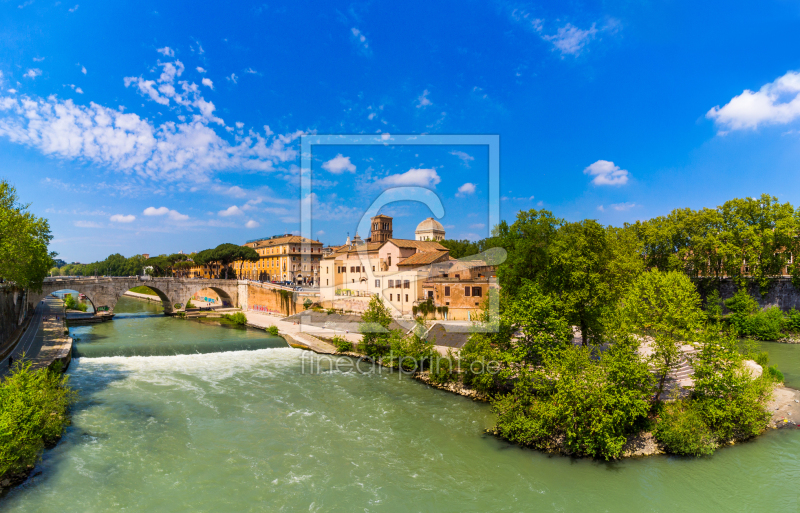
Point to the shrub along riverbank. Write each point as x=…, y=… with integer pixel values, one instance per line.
x=639, y=318
x=33, y=415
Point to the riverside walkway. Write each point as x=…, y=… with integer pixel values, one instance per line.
x=44, y=341
x=302, y=334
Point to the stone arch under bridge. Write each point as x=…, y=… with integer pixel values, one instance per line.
x=105, y=292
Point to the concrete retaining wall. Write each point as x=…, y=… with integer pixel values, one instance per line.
x=780, y=293
x=12, y=312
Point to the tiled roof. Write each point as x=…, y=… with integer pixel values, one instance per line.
x=424, y=258
x=345, y=250
x=419, y=245
x=290, y=239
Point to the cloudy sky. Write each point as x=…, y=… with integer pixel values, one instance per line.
x=146, y=128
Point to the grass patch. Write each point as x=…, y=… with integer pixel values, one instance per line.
x=142, y=289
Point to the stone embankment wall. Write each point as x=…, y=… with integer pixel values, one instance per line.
x=266, y=299
x=12, y=312
x=781, y=293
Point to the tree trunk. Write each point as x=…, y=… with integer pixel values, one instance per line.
x=584, y=332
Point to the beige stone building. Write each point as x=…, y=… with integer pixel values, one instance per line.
x=393, y=268
x=285, y=258
x=461, y=286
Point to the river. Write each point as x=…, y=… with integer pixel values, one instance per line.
x=236, y=422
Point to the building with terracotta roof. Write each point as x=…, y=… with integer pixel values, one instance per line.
x=394, y=268
x=461, y=286
x=284, y=258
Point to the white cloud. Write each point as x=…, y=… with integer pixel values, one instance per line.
x=477, y=226
x=251, y=71
x=200, y=70
x=339, y=164
x=466, y=189
x=38, y=59
x=87, y=224
x=601, y=208
x=776, y=103
x=251, y=224
x=421, y=177
x=172, y=151
x=360, y=40
x=83, y=69
x=161, y=211
x=208, y=83
x=570, y=40
x=320, y=232
x=423, y=100
x=166, y=51
x=386, y=136
x=119, y=218
x=233, y=78
x=622, y=207
x=79, y=90
x=466, y=158
x=33, y=73
x=606, y=173
x=233, y=210
x=518, y=198
x=74, y=8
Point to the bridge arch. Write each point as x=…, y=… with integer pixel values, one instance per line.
x=166, y=301
x=71, y=290
x=227, y=299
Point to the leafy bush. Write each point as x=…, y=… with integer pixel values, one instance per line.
x=237, y=318
x=33, y=415
x=70, y=303
x=307, y=304
x=189, y=304
x=774, y=374
x=713, y=306
x=342, y=344
x=765, y=324
x=681, y=429
x=742, y=306
x=792, y=322
x=591, y=407
x=409, y=352
x=273, y=330
x=442, y=369
x=330, y=311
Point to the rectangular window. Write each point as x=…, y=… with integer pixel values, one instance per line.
x=378, y=283
x=430, y=294
x=447, y=291
x=466, y=291
x=352, y=269
x=406, y=284
x=406, y=298
x=326, y=282
x=390, y=297
x=373, y=268
x=477, y=292
x=390, y=260
x=391, y=284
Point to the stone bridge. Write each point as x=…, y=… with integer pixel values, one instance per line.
x=174, y=292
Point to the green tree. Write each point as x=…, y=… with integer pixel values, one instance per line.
x=375, y=327
x=527, y=243
x=538, y=318
x=24, y=239
x=225, y=254
x=664, y=307
x=246, y=254
x=577, y=272
x=461, y=248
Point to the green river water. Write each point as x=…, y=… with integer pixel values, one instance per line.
x=207, y=418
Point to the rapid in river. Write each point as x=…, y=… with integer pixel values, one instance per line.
x=182, y=416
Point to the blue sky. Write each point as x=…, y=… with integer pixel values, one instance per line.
x=150, y=128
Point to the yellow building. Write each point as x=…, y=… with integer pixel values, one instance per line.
x=284, y=258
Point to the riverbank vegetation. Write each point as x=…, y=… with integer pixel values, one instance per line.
x=237, y=318
x=593, y=325
x=33, y=415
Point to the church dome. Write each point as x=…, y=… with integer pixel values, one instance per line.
x=429, y=229
x=430, y=224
